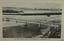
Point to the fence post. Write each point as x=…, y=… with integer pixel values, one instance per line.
x=26, y=25
x=16, y=21
x=40, y=26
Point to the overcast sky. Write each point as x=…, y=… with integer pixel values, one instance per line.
x=30, y=4
x=41, y=5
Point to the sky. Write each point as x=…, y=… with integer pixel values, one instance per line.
x=41, y=5
x=30, y=4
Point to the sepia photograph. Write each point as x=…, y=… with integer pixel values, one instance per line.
x=32, y=21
